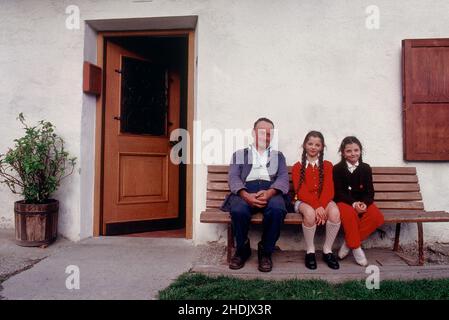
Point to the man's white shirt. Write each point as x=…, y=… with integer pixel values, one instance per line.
x=259, y=170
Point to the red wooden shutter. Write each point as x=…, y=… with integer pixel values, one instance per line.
x=425, y=99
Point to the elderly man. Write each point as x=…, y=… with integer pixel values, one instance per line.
x=258, y=180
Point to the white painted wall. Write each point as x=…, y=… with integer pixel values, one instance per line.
x=304, y=64
x=41, y=77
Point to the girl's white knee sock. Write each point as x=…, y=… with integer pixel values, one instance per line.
x=331, y=234
x=309, y=236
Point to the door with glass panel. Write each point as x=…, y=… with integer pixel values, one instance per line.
x=142, y=105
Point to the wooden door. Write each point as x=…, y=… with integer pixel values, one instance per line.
x=426, y=99
x=142, y=105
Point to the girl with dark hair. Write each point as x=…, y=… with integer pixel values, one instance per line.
x=354, y=194
x=312, y=180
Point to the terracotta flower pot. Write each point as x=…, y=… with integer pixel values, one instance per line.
x=36, y=224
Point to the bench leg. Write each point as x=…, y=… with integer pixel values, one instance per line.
x=230, y=242
x=396, y=237
x=420, y=244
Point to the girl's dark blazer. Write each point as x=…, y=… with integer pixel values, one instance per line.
x=351, y=187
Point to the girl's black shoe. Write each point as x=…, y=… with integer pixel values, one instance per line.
x=311, y=261
x=331, y=260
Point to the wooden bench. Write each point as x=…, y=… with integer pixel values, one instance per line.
x=397, y=195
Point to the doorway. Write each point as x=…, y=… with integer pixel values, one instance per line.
x=145, y=97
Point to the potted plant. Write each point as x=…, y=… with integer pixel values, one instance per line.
x=34, y=168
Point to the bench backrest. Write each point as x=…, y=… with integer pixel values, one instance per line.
x=396, y=188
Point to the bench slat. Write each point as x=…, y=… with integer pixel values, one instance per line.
x=223, y=186
x=403, y=205
x=216, y=195
x=394, y=178
x=218, y=177
x=218, y=186
x=376, y=170
x=215, y=217
x=213, y=203
x=396, y=187
x=224, y=217
x=414, y=216
x=217, y=168
x=394, y=170
x=223, y=177
x=391, y=216
x=379, y=196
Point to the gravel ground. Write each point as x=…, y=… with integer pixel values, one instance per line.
x=211, y=254
x=434, y=254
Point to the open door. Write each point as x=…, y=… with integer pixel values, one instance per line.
x=142, y=107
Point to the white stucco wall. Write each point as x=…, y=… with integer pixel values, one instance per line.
x=304, y=64
x=41, y=72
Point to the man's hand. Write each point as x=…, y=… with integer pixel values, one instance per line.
x=252, y=199
x=266, y=195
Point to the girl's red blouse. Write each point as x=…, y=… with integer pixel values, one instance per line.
x=309, y=188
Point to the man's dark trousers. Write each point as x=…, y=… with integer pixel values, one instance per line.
x=273, y=216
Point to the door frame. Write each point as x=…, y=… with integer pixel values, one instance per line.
x=99, y=122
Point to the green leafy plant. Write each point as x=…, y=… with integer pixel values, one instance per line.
x=38, y=162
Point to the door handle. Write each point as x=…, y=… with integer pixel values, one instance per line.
x=173, y=143
x=117, y=118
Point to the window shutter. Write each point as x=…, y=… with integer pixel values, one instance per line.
x=425, y=72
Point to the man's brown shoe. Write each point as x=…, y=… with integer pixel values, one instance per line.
x=265, y=263
x=237, y=262
x=240, y=257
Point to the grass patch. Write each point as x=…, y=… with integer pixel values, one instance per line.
x=193, y=286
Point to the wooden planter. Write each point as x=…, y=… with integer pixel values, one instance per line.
x=36, y=224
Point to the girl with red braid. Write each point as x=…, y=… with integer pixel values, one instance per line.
x=312, y=180
x=354, y=194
